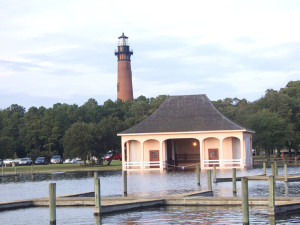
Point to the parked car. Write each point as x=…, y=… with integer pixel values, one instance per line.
x=117, y=156
x=73, y=161
x=7, y=161
x=68, y=160
x=17, y=161
x=25, y=161
x=108, y=156
x=56, y=159
x=40, y=161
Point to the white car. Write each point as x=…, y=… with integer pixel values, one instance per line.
x=56, y=159
x=17, y=161
x=67, y=160
x=8, y=161
x=25, y=161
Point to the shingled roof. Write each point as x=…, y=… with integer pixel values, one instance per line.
x=186, y=113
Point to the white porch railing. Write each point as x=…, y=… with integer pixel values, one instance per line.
x=142, y=165
x=226, y=162
x=232, y=162
x=211, y=162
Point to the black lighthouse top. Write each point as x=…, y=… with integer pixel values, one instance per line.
x=123, y=53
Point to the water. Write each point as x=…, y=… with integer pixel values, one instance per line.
x=147, y=183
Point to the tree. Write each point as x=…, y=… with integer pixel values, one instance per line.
x=271, y=131
x=6, y=147
x=83, y=140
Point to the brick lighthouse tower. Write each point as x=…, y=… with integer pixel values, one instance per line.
x=124, y=85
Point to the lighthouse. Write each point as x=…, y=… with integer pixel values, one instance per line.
x=124, y=85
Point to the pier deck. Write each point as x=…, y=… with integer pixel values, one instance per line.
x=115, y=204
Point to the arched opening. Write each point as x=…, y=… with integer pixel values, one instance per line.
x=231, y=152
x=151, y=153
x=211, y=147
x=133, y=154
x=182, y=152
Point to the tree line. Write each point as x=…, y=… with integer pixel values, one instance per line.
x=90, y=129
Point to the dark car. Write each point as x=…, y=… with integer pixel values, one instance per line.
x=40, y=161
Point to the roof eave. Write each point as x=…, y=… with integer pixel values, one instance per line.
x=185, y=132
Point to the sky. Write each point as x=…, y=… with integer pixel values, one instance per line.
x=62, y=51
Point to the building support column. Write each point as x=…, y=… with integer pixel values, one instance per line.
x=161, y=166
x=202, y=154
x=242, y=152
x=142, y=155
x=173, y=150
x=123, y=154
x=221, y=154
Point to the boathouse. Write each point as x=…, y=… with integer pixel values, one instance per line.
x=183, y=131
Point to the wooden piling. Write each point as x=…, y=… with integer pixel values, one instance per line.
x=31, y=168
x=125, y=183
x=2, y=170
x=234, y=181
x=245, y=201
x=52, y=203
x=97, y=209
x=296, y=160
x=285, y=172
x=275, y=168
x=198, y=174
x=209, y=180
x=15, y=170
x=264, y=168
x=214, y=173
x=271, y=210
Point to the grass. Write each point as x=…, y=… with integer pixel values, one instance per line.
x=115, y=165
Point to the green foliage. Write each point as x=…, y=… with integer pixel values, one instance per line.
x=275, y=117
x=6, y=147
x=91, y=129
x=83, y=140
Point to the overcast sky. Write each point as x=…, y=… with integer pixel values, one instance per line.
x=59, y=51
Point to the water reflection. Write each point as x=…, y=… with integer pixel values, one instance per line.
x=144, y=183
x=158, y=215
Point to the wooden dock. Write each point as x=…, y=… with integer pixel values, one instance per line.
x=115, y=204
x=260, y=177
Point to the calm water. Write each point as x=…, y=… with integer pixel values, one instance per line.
x=140, y=184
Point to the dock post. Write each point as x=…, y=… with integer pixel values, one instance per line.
x=273, y=169
x=245, y=201
x=31, y=168
x=15, y=170
x=209, y=185
x=271, y=195
x=234, y=181
x=296, y=160
x=52, y=203
x=97, y=209
x=198, y=174
x=264, y=168
x=2, y=170
x=215, y=174
x=285, y=172
x=125, y=183
x=276, y=168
